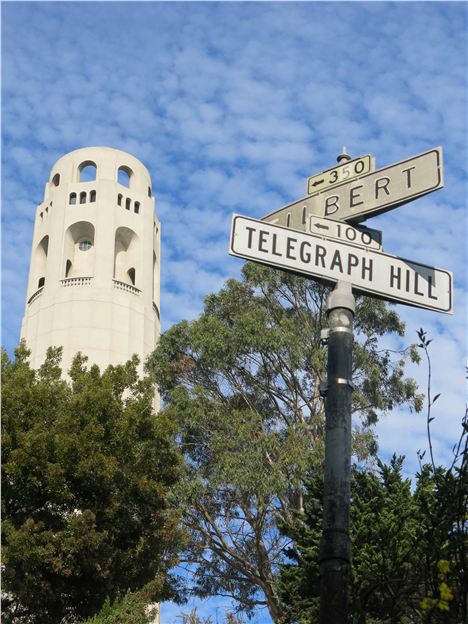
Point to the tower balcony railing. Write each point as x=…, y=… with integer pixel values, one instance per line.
x=127, y=287
x=76, y=281
x=35, y=295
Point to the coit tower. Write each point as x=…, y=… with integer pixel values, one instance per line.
x=94, y=274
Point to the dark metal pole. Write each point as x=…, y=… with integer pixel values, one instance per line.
x=335, y=547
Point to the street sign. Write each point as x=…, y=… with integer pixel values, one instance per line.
x=368, y=195
x=362, y=236
x=382, y=190
x=340, y=173
x=370, y=272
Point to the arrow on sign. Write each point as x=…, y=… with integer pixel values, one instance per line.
x=340, y=230
x=341, y=173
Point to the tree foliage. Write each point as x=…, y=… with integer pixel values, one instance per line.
x=409, y=548
x=410, y=545
x=85, y=473
x=132, y=608
x=243, y=382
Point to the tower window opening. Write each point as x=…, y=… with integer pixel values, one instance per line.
x=56, y=179
x=126, y=256
x=85, y=244
x=47, y=209
x=42, y=215
x=119, y=199
x=137, y=207
x=79, y=249
x=149, y=191
x=68, y=267
x=124, y=176
x=83, y=198
x=87, y=171
x=40, y=262
x=127, y=203
x=154, y=275
x=92, y=196
x=72, y=199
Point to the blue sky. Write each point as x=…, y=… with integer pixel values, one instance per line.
x=231, y=106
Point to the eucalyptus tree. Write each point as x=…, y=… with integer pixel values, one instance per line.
x=243, y=381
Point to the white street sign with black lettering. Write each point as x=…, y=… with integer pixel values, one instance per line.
x=382, y=190
x=340, y=173
x=328, y=228
x=370, y=272
x=368, y=195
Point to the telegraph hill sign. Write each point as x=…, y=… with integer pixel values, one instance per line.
x=370, y=272
x=314, y=236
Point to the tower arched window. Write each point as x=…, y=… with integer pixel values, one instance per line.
x=131, y=275
x=79, y=250
x=154, y=274
x=72, y=199
x=92, y=196
x=149, y=191
x=40, y=262
x=137, y=207
x=119, y=199
x=124, y=176
x=56, y=179
x=87, y=171
x=127, y=203
x=83, y=198
x=126, y=256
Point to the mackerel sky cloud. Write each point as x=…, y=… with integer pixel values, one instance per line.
x=231, y=106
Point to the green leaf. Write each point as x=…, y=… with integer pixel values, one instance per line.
x=86, y=477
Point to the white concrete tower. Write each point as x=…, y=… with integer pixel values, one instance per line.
x=94, y=274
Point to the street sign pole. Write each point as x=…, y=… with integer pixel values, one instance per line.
x=335, y=546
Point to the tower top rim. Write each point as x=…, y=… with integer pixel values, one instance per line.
x=94, y=150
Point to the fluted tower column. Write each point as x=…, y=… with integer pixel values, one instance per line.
x=94, y=275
